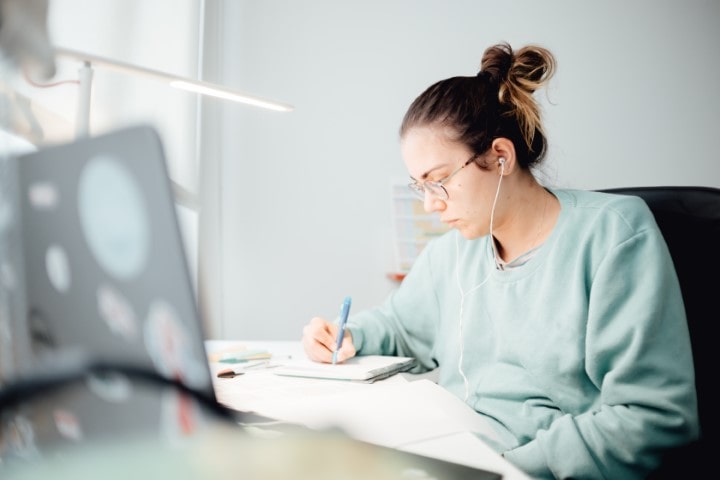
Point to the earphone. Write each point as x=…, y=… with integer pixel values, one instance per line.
x=463, y=294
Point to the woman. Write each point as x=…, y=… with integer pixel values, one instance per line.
x=556, y=314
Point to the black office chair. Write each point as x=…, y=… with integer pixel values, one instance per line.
x=689, y=219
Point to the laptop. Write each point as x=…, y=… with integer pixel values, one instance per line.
x=107, y=280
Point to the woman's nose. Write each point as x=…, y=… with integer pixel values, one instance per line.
x=431, y=203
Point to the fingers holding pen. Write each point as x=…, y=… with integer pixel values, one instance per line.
x=319, y=338
x=341, y=341
x=347, y=349
x=329, y=342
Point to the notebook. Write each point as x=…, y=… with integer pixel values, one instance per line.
x=367, y=368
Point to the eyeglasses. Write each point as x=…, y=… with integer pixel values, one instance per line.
x=437, y=189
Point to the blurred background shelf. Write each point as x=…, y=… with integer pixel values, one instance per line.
x=413, y=229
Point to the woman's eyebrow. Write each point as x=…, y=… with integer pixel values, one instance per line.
x=425, y=175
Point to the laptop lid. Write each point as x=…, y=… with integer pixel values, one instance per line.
x=107, y=280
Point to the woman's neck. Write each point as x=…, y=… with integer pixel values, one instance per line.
x=529, y=215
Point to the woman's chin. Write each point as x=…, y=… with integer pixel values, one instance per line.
x=468, y=232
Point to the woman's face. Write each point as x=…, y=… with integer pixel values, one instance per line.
x=430, y=155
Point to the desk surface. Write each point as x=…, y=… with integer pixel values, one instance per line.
x=407, y=412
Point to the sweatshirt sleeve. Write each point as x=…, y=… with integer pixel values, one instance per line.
x=406, y=324
x=638, y=355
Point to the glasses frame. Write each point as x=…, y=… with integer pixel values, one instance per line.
x=437, y=188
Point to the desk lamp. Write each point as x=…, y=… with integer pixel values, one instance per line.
x=85, y=74
x=85, y=77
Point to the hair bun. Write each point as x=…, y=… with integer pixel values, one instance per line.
x=497, y=61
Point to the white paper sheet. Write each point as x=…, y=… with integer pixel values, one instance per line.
x=467, y=449
x=393, y=414
x=417, y=416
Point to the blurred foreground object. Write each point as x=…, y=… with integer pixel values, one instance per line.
x=224, y=452
x=24, y=41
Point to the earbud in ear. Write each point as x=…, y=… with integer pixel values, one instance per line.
x=501, y=161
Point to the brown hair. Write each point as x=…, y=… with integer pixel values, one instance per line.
x=497, y=102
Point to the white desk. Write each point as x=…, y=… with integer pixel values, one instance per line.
x=406, y=412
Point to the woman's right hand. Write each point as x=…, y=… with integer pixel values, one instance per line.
x=319, y=339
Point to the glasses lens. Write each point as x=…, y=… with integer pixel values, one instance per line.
x=436, y=190
x=417, y=190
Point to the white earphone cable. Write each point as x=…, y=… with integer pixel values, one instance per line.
x=492, y=212
x=463, y=294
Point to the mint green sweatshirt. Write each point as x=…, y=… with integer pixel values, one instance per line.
x=580, y=358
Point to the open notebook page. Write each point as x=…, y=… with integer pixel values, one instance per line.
x=360, y=368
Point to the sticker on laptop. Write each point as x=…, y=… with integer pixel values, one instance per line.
x=169, y=345
x=43, y=195
x=117, y=312
x=179, y=415
x=58, y=268
x=68, y=425
x=18, y=437
x=113, y=217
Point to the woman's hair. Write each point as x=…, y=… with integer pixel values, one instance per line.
x=497, y=102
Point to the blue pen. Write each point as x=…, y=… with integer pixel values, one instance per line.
x=344, y=311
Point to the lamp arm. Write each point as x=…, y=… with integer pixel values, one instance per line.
x=197, y=86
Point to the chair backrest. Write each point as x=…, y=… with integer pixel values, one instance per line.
x=689, y=219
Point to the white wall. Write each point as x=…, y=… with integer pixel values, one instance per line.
x=306, y=195
x=135, y=32
x=161, y=35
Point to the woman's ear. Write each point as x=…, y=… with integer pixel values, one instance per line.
x=504, y=150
